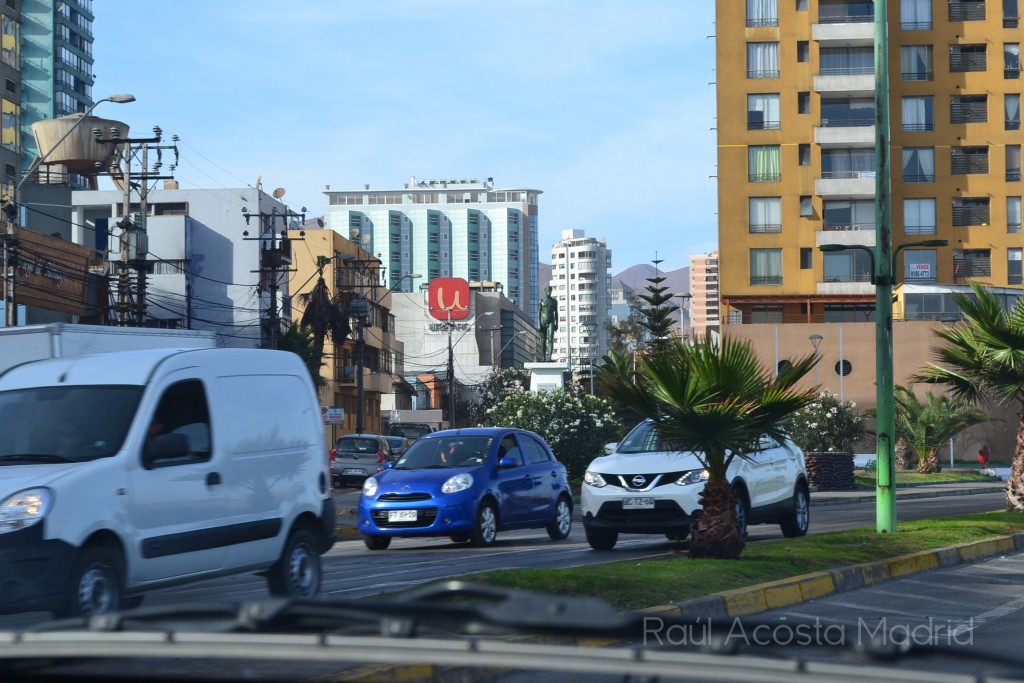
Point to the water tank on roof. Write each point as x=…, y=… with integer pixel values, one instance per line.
x=80, y=152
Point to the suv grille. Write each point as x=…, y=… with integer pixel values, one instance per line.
x=633, y=481
x=424, y=517
x=664, y=512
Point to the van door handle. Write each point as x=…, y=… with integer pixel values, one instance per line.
x=212, y=479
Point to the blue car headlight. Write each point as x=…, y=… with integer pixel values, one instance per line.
x=594, y=479
x=24, y=509
x=693, y=477
x=460, y=482
x=370, y=487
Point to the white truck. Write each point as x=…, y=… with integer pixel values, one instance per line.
x=64, y=340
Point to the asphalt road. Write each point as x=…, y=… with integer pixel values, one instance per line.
x=350, y=570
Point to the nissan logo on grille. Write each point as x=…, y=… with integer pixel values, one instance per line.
x=639, y=480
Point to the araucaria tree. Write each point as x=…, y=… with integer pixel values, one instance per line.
x=656, y=316
x=715, y=399
x=982, y=359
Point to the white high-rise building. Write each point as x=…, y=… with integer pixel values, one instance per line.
x=581, y=282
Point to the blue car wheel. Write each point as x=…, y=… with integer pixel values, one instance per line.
x=486, y=528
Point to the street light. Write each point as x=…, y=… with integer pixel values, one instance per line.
x=882, y=270
x=13, y=209
x=815, y=341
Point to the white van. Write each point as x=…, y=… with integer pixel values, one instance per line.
x=125, y=472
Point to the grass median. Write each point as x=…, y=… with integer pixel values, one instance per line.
x=868, y=480
x=633, y=584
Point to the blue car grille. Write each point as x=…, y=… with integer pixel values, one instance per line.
x=425, y=517
x=403, y=497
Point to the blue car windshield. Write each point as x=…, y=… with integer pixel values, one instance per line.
x=456, y=451
x=65, y=423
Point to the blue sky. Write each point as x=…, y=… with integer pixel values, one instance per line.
x=605, y=106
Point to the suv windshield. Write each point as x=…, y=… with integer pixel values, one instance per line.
x=461, y=451
x=643, y=438
x=71, y=423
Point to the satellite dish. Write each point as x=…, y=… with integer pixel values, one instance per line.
x=353, y=233
x=365, y=239
x=319, y=222
x=278, y=193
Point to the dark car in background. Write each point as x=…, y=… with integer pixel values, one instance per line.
x=399, y=444
x=410, y=430
x=356, y=457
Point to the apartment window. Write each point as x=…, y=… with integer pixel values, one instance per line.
x=971, y=263
x=1011, y=105
x=11, y=124
x=803, y=51
x=762, y=60
x=919, y=216
x=916, y=15
x=847, y=163
x=804, y=154
x=849, y=265
x=919, y=266
x=919, y=164
x=968, y=211
x=966, y=10
x=856, y=113
x=762, y=13
x=763, y=111
x=763, y=164
x=10, y=85
x=1011, y=60
x=844, y=12
x=1011, y=14
x=10, y=170
x=806, y=208
x=968, y=160
x=1013, y=214
x=765, y=214
x=846, y=214
x=916, y=62
x=968, y=109
x=918, y=114
x=965, y=58
x=801, y=5
x=1013, y=163
x=846, y=61
x=765, y=266
x=803, y=103
x=806, y=258
x=1013, y=266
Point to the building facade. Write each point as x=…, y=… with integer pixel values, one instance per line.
x=581, y=282
x=703, y=308
x=796, y=146
x=447, y=228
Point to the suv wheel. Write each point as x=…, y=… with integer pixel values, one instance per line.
x=740, y=509
x=796, y=521
x=601, y=539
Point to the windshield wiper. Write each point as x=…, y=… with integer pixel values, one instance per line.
x=31, y=457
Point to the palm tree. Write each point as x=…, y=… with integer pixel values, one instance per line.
x=929, y=426
x=982, y=360
x=715, y=400
x=324, y=315
x=299, y=340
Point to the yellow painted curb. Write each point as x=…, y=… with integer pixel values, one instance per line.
x=911, y=564
x=991, y=546
x=816, y=585
x=744, y=601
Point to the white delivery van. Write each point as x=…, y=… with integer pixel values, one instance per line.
x=124, y=472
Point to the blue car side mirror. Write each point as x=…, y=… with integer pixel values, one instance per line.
x=389, y=465
x=506, y=463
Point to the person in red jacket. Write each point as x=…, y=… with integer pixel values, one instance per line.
x=983, y=455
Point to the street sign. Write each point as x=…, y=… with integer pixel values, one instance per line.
x=333, y=416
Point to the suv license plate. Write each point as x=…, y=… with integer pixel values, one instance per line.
x=401, y=515
x=637, y=503
x=353, y=470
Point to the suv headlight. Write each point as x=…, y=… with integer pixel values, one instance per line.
x=24, y=509
x=693, y=477
x=370, y=487
x=594, y=479
x=460, y=482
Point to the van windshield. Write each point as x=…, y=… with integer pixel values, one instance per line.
x=67, y=423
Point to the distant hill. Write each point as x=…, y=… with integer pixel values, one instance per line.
x=677, y=281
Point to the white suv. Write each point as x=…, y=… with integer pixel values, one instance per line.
x=644, y=487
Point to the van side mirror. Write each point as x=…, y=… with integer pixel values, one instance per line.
x=165, y=449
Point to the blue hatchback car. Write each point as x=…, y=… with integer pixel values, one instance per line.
x=467, y=484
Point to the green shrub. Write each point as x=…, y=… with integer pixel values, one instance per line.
x=826, y=425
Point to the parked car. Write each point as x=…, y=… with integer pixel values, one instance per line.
x=645, y=487
x=467, y=484
x=399, y=444
x=356, y=457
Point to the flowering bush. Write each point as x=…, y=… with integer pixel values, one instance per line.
x=575, y=425
x=826, y=425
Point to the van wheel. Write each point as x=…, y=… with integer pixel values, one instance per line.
x=486, y=528
x=601, y=539
x=96, y=584
x=796, y=521
x=561, y=525
x=377, y=542
x=297, y=574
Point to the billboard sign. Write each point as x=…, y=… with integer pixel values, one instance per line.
x=51, y=272
x=448, y=298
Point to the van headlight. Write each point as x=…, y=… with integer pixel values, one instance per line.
x=693, y=477
x=370, y=487
x=24, y=509
x=460, y=482
x=594, y=479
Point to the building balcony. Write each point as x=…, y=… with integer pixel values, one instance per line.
x=852, y=33
x=851, y=236
x=845, y=136
x=849, y=286
x=852, y=84
x=846, y=188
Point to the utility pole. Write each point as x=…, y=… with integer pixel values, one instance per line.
x=451, y=375
x=275, y=251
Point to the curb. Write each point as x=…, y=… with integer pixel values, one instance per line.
x=798, y=589
x=908, y=495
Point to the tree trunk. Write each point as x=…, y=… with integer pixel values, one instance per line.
x=929, y=464
x=905, y=455
x=1015, y=486
x=715, y=534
